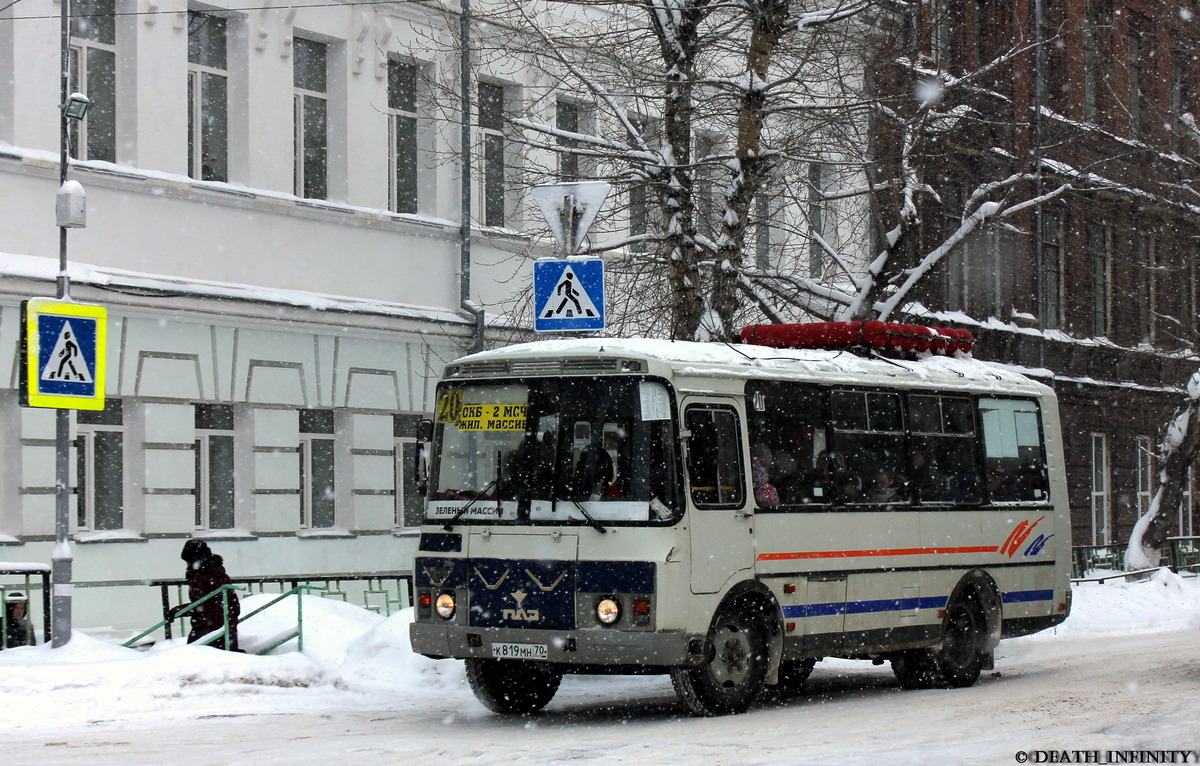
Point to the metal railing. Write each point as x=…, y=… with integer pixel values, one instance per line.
x=377, y=596
x=1180, y=553
x=223, y=592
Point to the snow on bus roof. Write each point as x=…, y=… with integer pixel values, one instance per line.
x=743, y=360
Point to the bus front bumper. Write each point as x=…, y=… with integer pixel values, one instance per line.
x=573, y=647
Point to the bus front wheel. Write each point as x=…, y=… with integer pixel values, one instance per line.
x=957, y=662
x=734, y=669
x=512, y=687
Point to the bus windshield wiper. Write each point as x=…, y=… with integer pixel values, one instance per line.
x=459, y=513
x=590, y=518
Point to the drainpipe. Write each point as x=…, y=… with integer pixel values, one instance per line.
x=464, y=232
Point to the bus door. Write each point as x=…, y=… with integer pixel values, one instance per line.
x=719, y=522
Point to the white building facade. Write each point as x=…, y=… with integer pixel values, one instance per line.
x=273, y=220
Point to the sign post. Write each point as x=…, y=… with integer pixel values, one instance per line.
x=63, y=347
x=568, y=293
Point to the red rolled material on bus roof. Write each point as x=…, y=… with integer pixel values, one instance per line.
x=870, y=334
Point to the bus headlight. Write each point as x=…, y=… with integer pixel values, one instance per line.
x=445, y=606
x=608, y=611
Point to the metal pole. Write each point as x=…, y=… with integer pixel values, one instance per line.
x=60, y=559
x=464, y=266
x=1038, y=222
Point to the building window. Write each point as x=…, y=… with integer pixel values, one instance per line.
x=208, y=98
x=1052, y=271
x=1186, y=527
x=1100, y=250
x=566, y=119
x=93, y=72
x=762, y=231
x=817, y=257
x=1141, y=68
x=309, y=80
x=214, y=466
x=1096, y=24
x=639, y=190
x=402, y=123
x=409, y=504
x=100, y=455
x=316, y=469
x=1099, y=493
x=706, y=188
x=1146, y=260
x=1145, y=474
x=491, y=127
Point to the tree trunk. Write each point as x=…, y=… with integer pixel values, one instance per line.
x=1178, y=449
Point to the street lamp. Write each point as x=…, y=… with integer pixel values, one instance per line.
x=69, y=210
x=76, y=106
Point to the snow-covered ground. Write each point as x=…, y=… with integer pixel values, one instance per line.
x=357, y=688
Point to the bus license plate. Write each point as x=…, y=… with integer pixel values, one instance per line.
x=520, y=651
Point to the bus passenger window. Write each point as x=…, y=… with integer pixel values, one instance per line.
x=942, y=455
x=870, y=465
x=787, y=444
x=714, y=458
x=1013, y=457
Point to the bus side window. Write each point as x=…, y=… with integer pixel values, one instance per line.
x=1013, y=459
x=943, y=462
x=715, y=457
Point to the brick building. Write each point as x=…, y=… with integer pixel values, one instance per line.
x=1098, y=288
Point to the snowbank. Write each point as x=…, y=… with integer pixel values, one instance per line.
x=354, y=658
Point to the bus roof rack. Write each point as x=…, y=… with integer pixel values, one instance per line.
x=874, y=334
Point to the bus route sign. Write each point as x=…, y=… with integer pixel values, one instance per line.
x=63, y=351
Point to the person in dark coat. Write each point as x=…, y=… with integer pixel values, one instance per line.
x=17, y=629
x=206, y=573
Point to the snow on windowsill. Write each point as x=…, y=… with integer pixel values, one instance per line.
x=225, y=534
x=109, y=536
x=23, y=566
x=329, y=532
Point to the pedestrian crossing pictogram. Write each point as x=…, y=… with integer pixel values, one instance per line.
x=63, y=349
x=574, y=300
x=66, y=362
x=568, y=295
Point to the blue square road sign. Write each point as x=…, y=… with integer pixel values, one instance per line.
x=568, y=295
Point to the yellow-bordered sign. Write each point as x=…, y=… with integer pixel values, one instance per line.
x=63, y=351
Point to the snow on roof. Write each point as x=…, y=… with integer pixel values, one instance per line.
x=42, y=268
x=743, y=360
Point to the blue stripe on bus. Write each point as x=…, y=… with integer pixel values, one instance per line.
x=1019, y=596
x=900, y=604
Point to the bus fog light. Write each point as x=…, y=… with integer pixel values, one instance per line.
x=445, y=606
x=608, y=611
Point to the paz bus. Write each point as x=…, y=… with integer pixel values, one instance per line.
x=728, y=514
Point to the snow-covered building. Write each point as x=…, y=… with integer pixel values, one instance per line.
x=274, y=218
x=278, y=244
x=1097, y=290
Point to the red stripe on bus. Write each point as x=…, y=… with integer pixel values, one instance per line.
x=885, y=552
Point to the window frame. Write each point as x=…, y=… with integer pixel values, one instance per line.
x=302, y=98
x=204, y=442
x=82, y=46
x=309, y=438
x=738, y=499
x=198, y=75
x=403, y=197
x=89, y=425
x=493, y=154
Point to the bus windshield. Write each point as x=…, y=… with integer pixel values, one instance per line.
x=555, y=450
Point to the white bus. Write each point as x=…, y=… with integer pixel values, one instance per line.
x=730, y=514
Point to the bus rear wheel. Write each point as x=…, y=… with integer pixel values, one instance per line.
x=735, y=666
x=957, y=662
x=512, y=687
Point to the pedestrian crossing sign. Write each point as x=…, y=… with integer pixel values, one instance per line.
x=568, y=295
x=63, y=354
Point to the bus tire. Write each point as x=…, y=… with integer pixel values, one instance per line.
x=732, y=675
x=512, y=687
x=794, y=674
x=957, y=661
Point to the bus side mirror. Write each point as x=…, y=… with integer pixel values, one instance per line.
x=424, y=443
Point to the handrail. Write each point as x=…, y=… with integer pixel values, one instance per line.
x=298, y=634
x=222, y=590
x=1118, y=575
